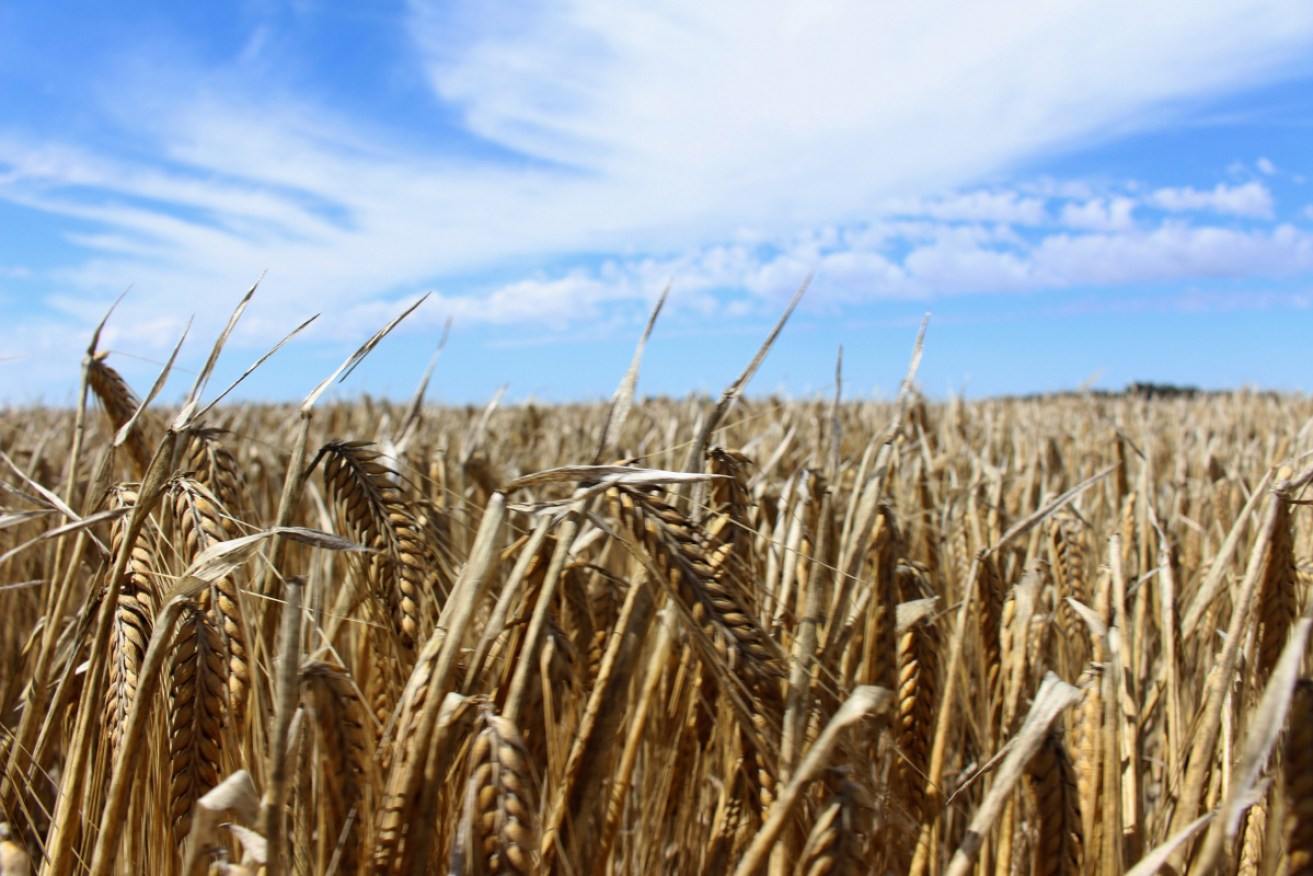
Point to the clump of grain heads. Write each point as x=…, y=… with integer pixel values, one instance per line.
x=668, y=665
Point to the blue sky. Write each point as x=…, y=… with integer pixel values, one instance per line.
x=1077, y=191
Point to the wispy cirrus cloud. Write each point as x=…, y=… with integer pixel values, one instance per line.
x=836, y=97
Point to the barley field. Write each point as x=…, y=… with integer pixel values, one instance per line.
x=737, y=635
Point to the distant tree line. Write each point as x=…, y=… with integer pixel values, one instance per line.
x=1147, y=390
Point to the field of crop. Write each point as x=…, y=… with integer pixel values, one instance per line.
x=1060, y=635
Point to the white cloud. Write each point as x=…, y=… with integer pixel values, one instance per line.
x=1251, y=200
x=850, y=275
x=1172, y=251
x=863, y=265
x=954, y=261
x=1265, y=166
x=1100, y=214
x=952, y=268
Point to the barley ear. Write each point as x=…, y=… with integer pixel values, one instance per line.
x=1299, y=782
